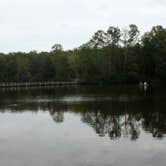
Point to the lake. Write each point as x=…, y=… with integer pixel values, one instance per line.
x=83, y=126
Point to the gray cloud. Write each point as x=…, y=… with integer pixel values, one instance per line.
x=38, y=24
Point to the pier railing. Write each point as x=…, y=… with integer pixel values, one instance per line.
x=37, y=84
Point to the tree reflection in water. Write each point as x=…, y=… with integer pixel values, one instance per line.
x=120, y=125
x=116, y=118
x=58, y=117
x=113, y=126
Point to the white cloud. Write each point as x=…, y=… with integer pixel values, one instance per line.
x=38, y=24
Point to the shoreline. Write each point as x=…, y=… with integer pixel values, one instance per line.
x=4, y=85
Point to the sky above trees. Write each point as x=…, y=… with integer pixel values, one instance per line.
x=38, y=24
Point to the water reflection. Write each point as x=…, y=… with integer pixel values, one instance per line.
x=113, y=125
x=58, y=117
x=113, y=113
x=116, y=126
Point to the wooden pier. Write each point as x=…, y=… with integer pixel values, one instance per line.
x=37, y=84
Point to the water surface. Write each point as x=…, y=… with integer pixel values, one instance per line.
x=83, y=126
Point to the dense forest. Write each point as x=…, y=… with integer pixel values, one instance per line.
x=114, y=56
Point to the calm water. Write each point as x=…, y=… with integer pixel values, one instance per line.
x=90, y=126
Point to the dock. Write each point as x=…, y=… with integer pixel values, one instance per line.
x=37, y=84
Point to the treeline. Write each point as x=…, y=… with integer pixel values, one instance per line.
x=114, y=56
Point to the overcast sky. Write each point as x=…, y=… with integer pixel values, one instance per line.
x=37, y=24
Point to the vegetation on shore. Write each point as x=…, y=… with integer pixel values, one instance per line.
x=114, y=56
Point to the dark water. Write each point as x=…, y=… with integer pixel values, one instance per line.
x=90, y=126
